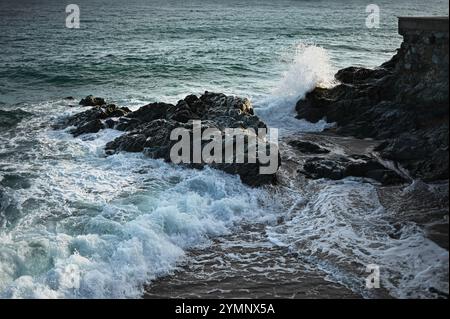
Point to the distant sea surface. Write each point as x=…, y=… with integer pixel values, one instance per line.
x=75, y=223
x=153, y=50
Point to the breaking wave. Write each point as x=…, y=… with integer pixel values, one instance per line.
x=91, y=226
x=310, y=67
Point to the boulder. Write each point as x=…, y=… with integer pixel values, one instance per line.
x=308, y=147
x=93, y=126
x=91, y=100
x=339, y=167
x=88, y=121
x=148, y=130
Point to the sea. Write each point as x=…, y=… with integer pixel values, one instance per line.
x=75, y=223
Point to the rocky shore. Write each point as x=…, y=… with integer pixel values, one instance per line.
x=149, y=128
x=391, y=132
x=404, y=102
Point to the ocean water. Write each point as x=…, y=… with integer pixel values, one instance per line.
x=75, y=223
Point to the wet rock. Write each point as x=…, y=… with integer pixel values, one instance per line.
x=87, y=118
x=90, y=100
x=225, y=111
x=150, y=112
x=110, y=123
x=339, y=167
x=127, y=124
x=182, y=112
x=425, y=156
x=404, y=101
x=148, y=130
x=353, y=75
x=153, y=136
x=308, y=147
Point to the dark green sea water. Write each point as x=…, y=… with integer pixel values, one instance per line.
x=153, y=50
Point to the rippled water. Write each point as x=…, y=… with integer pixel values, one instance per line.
x=155, y=49
x=75, y=223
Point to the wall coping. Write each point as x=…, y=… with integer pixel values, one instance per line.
x=412, y=24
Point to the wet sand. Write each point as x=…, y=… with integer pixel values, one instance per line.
x=257, y=270
x=247, y=265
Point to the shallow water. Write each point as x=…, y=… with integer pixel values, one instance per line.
x=75, y=223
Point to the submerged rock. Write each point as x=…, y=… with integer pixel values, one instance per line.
x=93, y=126
x=404, y=101
x=308, y=147
x=92, y=120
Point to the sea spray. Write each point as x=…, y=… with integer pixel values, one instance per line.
x=310, y=67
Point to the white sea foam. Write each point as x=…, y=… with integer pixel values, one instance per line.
x=93, y=226
x=309, y=68
x=344, y=228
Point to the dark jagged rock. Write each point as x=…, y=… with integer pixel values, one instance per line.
x=110, y=123
x=89, y=121
x=153, y=139
x=148, y=129
x=93, y=126
x=151, y=112
x=353, y=75
x=339, y=167
x=308, y=147
x=225, y=111
x=90, y=100
x=330, y=156
x=182, y=112
x=151, y=135
x=404, y=101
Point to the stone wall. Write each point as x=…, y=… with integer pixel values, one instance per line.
x=424, y=51
x=404, y=101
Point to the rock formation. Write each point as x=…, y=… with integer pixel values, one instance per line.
x=404, y=101
x=149, y=128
